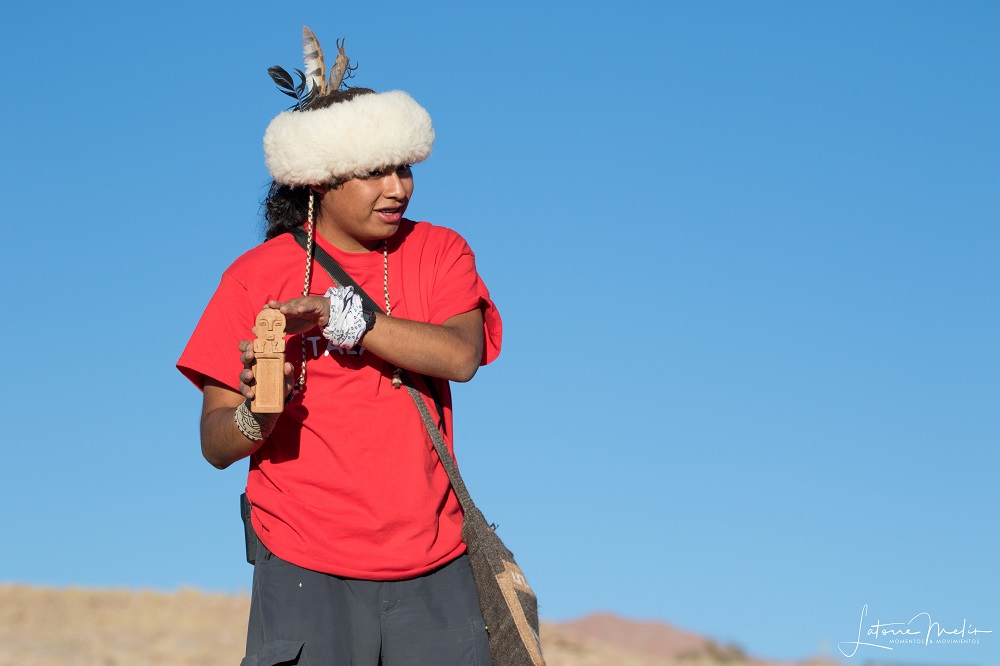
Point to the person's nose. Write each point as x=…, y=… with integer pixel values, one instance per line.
x=393, y=186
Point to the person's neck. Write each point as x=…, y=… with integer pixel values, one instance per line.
x=345, y=242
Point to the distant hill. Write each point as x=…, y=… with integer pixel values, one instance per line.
x=77, y=627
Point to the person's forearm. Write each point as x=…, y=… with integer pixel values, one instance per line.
x=451, y=350
x=222, y=442
x=448, y=351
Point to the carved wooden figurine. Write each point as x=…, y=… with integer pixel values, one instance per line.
x=269, y=363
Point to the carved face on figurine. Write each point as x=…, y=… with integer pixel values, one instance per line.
x=270, y=325
x=270, y=331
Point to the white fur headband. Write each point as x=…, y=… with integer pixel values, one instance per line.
x=347, y=139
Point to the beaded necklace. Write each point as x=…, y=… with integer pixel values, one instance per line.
x=397, y=373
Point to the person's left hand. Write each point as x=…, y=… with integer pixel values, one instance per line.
x=303, y=313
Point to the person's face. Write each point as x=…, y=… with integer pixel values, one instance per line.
x=360, y=212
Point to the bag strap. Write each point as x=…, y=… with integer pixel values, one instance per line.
x=447, y=461
x=336, y=271
x=341, y=277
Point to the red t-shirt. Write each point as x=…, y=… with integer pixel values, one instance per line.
x=349, y=482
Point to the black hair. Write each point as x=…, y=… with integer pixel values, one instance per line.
x=285, y=208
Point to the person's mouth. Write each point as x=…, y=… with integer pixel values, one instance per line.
x=390, y=215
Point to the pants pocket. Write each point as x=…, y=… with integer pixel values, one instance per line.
x=276, y=653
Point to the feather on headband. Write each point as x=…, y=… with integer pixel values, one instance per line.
x=347, y=139
x=312, y=54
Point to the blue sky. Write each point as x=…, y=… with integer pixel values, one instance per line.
x=746, y=259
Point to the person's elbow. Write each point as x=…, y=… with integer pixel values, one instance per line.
x=466, y=363
x=466, y=345
x=466, y=373
x=214, y=459
x=213, y=444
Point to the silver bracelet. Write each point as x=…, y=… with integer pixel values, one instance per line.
x=254, y=427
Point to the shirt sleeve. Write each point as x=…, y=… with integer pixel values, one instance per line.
x=213, y=350
x=458, y=288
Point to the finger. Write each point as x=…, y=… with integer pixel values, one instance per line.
x=246, y=390
x=302, y=304
x=295, y=307
x=248, y=357
x=289, y=379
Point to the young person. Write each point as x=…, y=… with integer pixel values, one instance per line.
x=360, y=557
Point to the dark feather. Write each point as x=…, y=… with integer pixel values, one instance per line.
x=309, y=98
x=296, y=91
x=283, y=81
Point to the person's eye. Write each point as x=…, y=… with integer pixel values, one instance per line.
x=376, y=173
x=404, y=169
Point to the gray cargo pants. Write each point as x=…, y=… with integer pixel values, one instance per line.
x=305, y=618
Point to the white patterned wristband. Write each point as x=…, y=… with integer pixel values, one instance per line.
x=347, y=319
x=255, y=427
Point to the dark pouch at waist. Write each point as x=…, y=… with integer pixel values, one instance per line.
x=249, y=535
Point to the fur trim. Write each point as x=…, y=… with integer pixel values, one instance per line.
x=347, y=139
